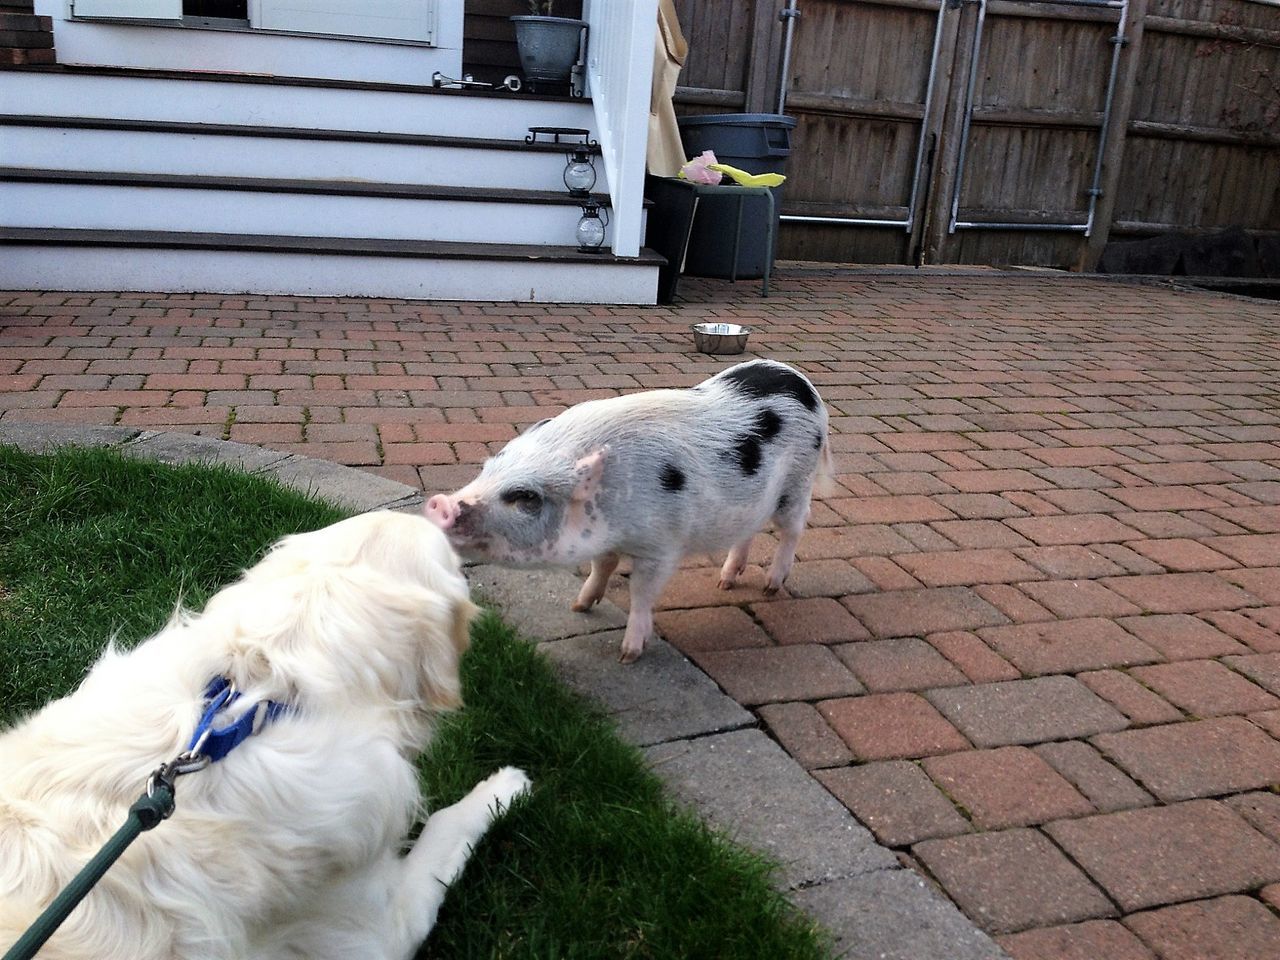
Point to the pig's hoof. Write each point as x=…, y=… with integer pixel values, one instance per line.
x=629, y=656
x=771, y=588
x=725, y=584
x=582, y=606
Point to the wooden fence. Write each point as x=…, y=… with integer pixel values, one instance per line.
x=994, y=131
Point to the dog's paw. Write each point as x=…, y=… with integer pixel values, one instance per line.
x=505, y=786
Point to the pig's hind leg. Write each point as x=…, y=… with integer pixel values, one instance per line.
x=790, y=519
x=734, y=564
x=648, y=577
x=593, y=590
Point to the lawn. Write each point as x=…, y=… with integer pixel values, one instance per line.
x=597, y=862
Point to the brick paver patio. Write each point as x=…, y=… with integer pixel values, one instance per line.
x=1033, y=642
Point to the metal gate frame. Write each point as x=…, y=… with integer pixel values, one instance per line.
x=789, y=15
x=1095, y=190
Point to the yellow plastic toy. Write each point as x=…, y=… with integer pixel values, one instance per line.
x=744, y=179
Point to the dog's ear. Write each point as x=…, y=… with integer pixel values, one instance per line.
x=447, y=634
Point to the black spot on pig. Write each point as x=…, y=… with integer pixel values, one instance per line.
x=767, y=425
x=745, y=452
x=817, y=441
x=762, y=380
x=784, y=501
x=671, y=478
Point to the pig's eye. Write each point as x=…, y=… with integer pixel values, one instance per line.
x=528, y=500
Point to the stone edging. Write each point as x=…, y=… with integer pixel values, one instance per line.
x=701, y=743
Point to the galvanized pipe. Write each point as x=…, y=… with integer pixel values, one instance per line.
x=924, y=120
x=843, y=221
x=1119, y=40
x=1046, y=227
x=789, y=17
x=968, y=116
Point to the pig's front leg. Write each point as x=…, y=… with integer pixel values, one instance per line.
x=593, y=590
x=648, y=577
x=734, y=564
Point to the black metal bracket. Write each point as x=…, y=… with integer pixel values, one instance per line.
x=555, y=133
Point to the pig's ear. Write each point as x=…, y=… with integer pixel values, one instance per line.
x=587, y=474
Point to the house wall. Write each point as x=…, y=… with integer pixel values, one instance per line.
x=162, y=46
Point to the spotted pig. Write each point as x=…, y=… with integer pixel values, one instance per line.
x=653, y=476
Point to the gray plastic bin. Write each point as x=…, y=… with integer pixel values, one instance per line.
x=757, y=143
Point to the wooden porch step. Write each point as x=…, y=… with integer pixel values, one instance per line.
x=284, y=81
x=345, y=188
x=79, y=260
x=349, y=246
x=287, y=133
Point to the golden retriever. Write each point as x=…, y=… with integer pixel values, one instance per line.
x=291, y=846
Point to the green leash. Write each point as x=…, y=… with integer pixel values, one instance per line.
x=147, y=811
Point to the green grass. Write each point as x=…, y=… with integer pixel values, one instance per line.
x=597, y=862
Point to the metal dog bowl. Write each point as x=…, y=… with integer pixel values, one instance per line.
x=720, y=337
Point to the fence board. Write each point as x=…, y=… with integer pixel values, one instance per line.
x=1193, y=142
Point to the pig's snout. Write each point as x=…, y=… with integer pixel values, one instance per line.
x=442, y=510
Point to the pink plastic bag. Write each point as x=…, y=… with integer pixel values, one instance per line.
x=695, y=171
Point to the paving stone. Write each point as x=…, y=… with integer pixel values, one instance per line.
x=1203, y=758
x=1182, y=592
x=1102, y=784
x=981, y=534
x=907, y=613
x=965, y=567
x=978, y=506
x=805, y=735
x=1140, y=705
x=1013, y=603
x=775, y=674
x=180, y=448
x=1270, y=894
x=354, y=489
x=1012, y=880
x=710, y=628
x=1091, y=940
x=907, y=663
x=817, y=620
x=902, y=509
x=1263, y=669
x=46, y=437
x=1205, y=688
x=1073, y=528
x=1158, y=855
x=1183, y=555
x=745, y=784
x=1241, y=628
x=894, y=915
x=1263, y=583
x=661, y=696
x=1228, y=928
x=1067, y=646
x=1181, y=637
x=827, y=578
x=1069, y=562
x=1268, y=720
x=975, y=659
x=1078, y=598
x=536, y=602
x=1261, y=810
x=864, y=540
x=1026, y=711
x=1007, y=787
x=896, y=800
x=1252, y=550
x=890, y=726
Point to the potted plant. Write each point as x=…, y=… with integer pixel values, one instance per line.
x=549, y=46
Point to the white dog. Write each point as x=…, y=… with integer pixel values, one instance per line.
x=290, y=847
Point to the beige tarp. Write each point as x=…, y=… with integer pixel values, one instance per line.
x=665, y=154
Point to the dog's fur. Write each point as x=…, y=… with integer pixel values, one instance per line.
x=291, y=846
